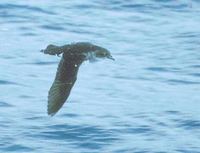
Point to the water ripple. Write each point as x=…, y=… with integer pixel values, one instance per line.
x=42, y=63
x=4, y=104
x=143, y=129
x=70, y=115
x=53, y=27
x=18, y=148
x=92, y=137
x=4, y=82
x=158, y=69
x=188, y=150
x=189, y=124
x=195, y=74
x=15, y=7
x=181, y=82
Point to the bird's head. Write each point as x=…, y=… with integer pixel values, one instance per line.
x=94, y=52
x=103, y=53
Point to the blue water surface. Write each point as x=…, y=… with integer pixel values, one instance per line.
x=147, y=101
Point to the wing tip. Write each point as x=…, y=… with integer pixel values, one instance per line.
x=51, y=111
x=51, y=114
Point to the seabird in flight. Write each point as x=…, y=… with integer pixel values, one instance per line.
x=73, y=55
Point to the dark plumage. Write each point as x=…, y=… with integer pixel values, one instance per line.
x=73, y=56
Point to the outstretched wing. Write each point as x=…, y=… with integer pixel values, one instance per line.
x=65, y=78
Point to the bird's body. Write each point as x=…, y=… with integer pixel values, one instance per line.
x=73, y=56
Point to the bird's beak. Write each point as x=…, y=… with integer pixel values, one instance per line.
x=110, y=57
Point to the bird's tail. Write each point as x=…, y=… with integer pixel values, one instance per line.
x=53, y=50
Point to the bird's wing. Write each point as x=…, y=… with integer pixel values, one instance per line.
x=58, y=94
x=65, y=78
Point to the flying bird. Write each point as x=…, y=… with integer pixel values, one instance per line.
x=73, y=55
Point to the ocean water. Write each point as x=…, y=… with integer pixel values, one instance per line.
x=146, y=101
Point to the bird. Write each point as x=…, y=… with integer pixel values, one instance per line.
x=73, y=55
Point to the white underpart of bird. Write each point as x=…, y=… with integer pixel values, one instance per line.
x=91, y=56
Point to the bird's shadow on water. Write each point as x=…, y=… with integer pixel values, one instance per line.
x=83, y=136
